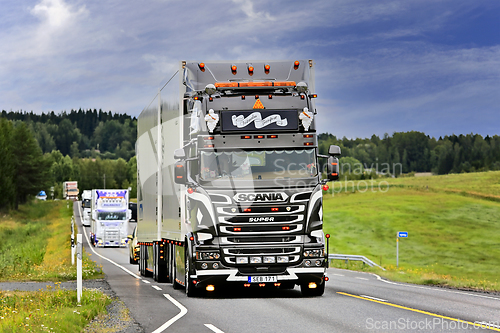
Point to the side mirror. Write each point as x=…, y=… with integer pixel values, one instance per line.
x=129, y=214
x=180, y=174
x=332, y=168
x=94, y=215
x=334, y=150
x=179, y=154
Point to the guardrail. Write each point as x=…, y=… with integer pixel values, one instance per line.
x=348, y=257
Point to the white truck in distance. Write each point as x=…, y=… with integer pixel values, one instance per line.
x=86, y=207
x=110, y=217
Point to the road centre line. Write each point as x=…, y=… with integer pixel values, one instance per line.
x=360, y=278
x=213, y=328
x=434, y=289
x=146, y=281
x=375, y=298
x=156, y=287
x=170, y=298
x=336, y=274
x=174, y=319
x=421, y=311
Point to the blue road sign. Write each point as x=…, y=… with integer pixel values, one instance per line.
x=403, y=234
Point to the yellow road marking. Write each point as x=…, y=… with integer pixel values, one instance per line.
x=484, y=326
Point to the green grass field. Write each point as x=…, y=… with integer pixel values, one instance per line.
x=453, y=224
x=36, y=246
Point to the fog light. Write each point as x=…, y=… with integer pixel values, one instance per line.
x=312, y=285
x=318, y=263
x=215, y=265
x=255, y=260
x=269, y=260
x=308, y=263
x=204, y=265
x=210, y=287
x=242, y=260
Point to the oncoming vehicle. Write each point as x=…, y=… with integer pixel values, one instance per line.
x=229, y=187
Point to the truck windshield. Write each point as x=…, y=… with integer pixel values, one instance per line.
x=86, y=203
x=112, y=216
x=256, y=165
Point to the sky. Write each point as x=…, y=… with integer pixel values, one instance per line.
x=382, y=66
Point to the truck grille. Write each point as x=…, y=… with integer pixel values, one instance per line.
x=265, y=235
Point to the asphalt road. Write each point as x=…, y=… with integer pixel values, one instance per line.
x=353, y=302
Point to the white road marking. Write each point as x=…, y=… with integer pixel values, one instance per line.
x=337, y=274
x=174, y=319
x=375, y=298
x=146, y=281
x=156, y=287
x=360, y=278
x=434, y=289
x=213, y=328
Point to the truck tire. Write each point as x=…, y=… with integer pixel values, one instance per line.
x=308, y=292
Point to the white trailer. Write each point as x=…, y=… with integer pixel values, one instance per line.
x=110, y=217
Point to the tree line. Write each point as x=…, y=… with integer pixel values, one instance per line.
x=82, y=133
x=95, y=148
x=407, y=152
x=40, y=152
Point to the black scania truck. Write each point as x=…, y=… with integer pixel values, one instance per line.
x=229, y=185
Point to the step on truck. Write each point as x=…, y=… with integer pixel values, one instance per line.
x=229, y=183
x=110, y=217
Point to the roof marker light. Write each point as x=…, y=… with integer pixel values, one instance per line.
x=201, y=65
x=267, y=68
x=233, y=69
x=296, y=64
x=250, y=69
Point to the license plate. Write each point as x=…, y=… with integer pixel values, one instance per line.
x=262, y=279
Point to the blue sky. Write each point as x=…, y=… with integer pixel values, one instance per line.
x=381, y=66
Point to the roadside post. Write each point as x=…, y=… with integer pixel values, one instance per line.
x=79, y=267
x=72, y=241
x=400, y=234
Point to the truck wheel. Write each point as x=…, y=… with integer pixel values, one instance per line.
x=308, y=292
x=191, y=289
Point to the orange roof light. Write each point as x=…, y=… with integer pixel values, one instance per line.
x=267, y=68
x=255, y=84
x=201, y=65
x=233, y=69
x=226, y=85
x=250, y=69
x=296, y=64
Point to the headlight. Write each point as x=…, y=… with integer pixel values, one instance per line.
x=255, y=260
x=282, y=259
x=242, y=260
x=207, y=255
x=313, y=253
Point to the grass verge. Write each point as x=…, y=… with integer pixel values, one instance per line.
x=453, y=239
x=36, y=246
x=49, y=311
